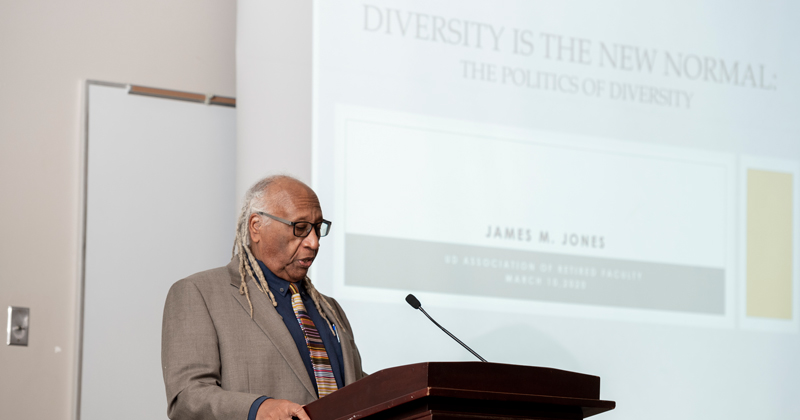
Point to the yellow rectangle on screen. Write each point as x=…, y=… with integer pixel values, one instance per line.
x=769, y=244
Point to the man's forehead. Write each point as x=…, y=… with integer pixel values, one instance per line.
x=289, y=194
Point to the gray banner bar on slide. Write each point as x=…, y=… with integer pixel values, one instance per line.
x=389, y=263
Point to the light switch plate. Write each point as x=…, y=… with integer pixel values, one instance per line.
x=18, y=319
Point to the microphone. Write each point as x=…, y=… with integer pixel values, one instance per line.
x=414, y=302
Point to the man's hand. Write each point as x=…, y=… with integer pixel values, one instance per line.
x=272, y=409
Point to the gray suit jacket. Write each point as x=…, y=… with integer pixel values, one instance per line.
x=216, y=360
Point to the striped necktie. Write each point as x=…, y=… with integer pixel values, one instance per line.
x=323, y=372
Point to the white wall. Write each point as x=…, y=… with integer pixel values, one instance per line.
x=274, y=112
x=46, y=49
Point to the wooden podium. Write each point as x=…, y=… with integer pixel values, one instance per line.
x=464, y=391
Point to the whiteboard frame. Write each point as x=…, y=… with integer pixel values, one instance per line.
x=83, y=174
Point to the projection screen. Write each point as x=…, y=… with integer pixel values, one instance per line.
x=603, y=187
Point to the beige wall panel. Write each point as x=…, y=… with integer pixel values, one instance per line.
x=47, y=49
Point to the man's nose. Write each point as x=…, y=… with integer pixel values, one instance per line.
x=312, y=240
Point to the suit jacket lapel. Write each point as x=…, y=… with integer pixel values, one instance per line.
x=347, y=355
x=345, y=339
x=267, y=318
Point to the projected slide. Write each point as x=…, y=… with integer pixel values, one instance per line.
x=608, y=187
x=538, y=154
x=441, y=206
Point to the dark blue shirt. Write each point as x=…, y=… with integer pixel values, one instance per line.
x=280, y=289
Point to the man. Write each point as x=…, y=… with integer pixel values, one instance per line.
x=255, y=340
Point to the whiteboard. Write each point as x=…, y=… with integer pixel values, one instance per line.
x=160, y=205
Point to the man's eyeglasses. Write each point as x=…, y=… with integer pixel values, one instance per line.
x=303, y=229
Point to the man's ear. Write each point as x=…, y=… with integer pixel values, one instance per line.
x=253, y=226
